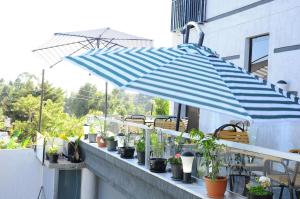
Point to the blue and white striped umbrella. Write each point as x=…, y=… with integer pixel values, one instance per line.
x=194, y=76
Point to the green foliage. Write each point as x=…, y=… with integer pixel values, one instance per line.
x=157, y=146
x=110, y=138
x=211, y=150
x=52, y=150
x=260, y=188
x=175, y=160
x=196, y=135
x=161, y=106
x=140, y=145
x=259, y=191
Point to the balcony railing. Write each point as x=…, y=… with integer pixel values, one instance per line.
x=184, y=11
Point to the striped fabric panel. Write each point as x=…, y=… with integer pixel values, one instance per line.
x=193, y=76
x=262, y=101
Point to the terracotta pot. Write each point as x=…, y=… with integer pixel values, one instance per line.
x=101, y=142
x=216, y=188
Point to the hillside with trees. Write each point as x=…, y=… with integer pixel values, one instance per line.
x=20, y=104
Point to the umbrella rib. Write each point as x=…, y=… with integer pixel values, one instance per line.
x=60, y=45
x=68, y=55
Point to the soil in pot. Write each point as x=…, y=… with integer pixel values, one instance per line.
x=111, y=145
x=177, y=171
x=92, y=138
x=216, y=188
x=101, y=142
x=53, y=158
x=127, y=152
x=141, y=158
x=253, y=196
x=158, y=165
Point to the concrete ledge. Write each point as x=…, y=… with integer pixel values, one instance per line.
x=64, y=165
x=135, y=181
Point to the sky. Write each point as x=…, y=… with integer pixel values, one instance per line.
x=25, y=25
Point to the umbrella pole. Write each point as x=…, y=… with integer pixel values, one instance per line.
x=106, y=101
x=41, y=103
x=178, y=117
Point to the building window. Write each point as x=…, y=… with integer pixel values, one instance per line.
x=258, y=57
x=184, y=11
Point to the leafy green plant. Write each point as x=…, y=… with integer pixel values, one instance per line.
x=211, y=155
x=261, y=187
x=140, y=145
x=52, y=150
x=176, y=160
x=157, y=146
x=196, y=135
x=110, y=138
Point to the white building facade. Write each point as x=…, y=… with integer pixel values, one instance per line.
x=263, y=36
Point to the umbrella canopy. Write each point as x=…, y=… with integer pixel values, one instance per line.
x=194, y=76
x=75, y=43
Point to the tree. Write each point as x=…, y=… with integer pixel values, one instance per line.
x=88, y=98
x=161, y=106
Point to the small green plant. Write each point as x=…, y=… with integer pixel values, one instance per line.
x=140, y=145
x=211, y=155
x=53, y=150
x=175, y=160
x=196, y=136
x=157, y=146
x=261, y=187
x=110, y=138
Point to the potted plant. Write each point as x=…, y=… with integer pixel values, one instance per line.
x=101, y=139
x=111, y=143
x=260, y=190
x=76, y=157
x=140, y=149
x=127, y=151
x=92, y=135
x=215, y=184
x=73, y=148
x=176, y=167
x=53, y=154
x=158, y=164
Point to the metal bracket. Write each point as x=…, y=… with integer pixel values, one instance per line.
x=186, y=32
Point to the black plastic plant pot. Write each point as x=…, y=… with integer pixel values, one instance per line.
x=177, y=172
x=92, y=138
x=127, y=152
x=53, y=158
x=158, y=165
x=141, y=158
x=253, y=196
x=74, y=160
x=111, y=145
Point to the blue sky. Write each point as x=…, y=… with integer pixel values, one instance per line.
x=25, y=25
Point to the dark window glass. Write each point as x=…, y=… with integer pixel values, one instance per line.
x=258, y=59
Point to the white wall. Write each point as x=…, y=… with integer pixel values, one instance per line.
x=228, y=36
x=279, y=18
x=20, y=174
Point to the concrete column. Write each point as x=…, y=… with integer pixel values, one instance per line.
x=88, y=185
